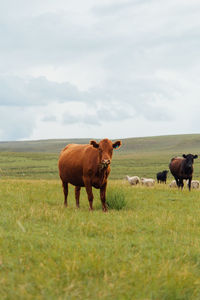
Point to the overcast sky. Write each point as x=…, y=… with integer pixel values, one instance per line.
x=103, y=68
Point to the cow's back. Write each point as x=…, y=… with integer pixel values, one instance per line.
x=175, y=165
x=74, y=161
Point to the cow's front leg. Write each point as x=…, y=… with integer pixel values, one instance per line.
x=189, y=183
x=88, y=187
x=77, y=195
x=103, y=197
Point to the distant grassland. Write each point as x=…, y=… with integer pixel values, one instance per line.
x=170, y=143
x=137, y=156
x=28, y=165
x=44, y=165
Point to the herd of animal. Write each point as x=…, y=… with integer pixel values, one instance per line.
x=89, y=166
x=181, y=168
x=134, y=180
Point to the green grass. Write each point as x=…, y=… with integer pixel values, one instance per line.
x=28, y=165
x=147, y=250
x=33, y=165
x=115, y=198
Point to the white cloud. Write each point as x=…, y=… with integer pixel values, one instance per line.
x=16, y=123
x=81, y=68
x=15, y=91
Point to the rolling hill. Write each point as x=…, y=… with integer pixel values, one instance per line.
x=171, y=143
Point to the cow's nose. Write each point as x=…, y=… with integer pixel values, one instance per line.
x=106, y=161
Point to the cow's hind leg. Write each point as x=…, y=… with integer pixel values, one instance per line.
x=181, y=184
x=65, y=190
x=77, y=195
x=177, y=182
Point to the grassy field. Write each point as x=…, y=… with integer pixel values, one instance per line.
x=44, y=165
x=147, y=250
x=137, y=156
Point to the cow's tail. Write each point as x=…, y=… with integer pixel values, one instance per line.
x=173, y=158
x=171, y=161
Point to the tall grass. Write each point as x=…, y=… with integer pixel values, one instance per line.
x=116, y=198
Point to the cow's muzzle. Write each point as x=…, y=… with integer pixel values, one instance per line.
x=189, y=168
x=105, y=163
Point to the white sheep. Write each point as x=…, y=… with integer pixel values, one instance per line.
x=195, y=184
x=173, y=184
x=133, y=180
x=148, y=181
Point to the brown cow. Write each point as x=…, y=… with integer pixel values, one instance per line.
x=87, y=166
x=182, y=168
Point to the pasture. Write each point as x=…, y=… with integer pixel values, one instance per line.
x=34, y=165
x=147, y=250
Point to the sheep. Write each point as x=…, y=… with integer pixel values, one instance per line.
x=173, y=184
x=148, y=181
x=133, y=180
x=195, y=184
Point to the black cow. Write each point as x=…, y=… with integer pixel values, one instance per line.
x=162, y=176
x=182, y=168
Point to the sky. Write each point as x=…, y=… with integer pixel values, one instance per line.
x=99, y=69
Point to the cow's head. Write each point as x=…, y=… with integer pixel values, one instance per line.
x=165, y=172
x=189, y=159
x=105, y=148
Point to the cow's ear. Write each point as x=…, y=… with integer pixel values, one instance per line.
x=94, y=144
x=195, y=156
x=184, y=155
x=117, y=144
